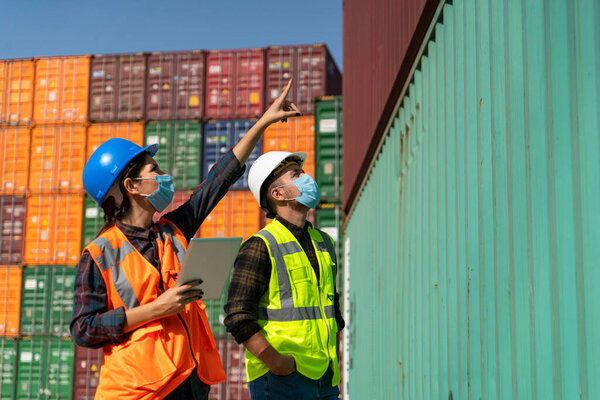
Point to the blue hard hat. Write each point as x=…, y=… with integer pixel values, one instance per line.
x=107, y=162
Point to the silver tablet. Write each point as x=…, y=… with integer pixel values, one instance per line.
x=211, y=260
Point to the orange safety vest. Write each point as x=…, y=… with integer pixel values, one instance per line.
x=160, y=355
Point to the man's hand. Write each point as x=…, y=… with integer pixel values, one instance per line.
x=284, y=365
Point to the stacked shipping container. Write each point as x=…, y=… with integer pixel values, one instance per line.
x=55, y=111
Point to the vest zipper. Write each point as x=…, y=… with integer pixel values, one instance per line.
x=324, y=320
x=188, y=337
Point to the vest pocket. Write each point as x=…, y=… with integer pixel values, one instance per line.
x=144, y=360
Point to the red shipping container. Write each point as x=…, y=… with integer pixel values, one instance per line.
x=86, y=372
x=117, y=88
x=313, y=69
x=57, y=158
x=233, y=360
x=12, y=223
x=10, y=300
x=175, y=85
x=235, y=83
x=15, y=143
x=16, y=91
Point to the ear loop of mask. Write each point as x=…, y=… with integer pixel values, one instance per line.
x=144, y=179
x=287, y=184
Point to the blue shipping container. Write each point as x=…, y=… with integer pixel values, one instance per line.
x=222, y=135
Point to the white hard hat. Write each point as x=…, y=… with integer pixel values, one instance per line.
x=263, y=167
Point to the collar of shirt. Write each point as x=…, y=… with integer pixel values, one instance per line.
x=136, y=232
x=296, y=230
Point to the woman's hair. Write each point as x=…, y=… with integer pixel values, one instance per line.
x=112, y=213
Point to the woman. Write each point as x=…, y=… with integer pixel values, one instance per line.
x=156, y=339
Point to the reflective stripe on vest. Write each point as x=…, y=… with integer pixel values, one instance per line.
x=112, y=258
x=288, y=312
x=178, y=247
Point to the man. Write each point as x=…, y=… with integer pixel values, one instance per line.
x=282, y=300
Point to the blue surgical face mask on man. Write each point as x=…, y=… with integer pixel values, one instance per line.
x=310, y=194
x=162, y=196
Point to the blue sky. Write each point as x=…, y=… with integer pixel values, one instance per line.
x=30, y=28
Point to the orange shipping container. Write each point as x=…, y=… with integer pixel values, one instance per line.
x=61, y=89
x=10, y=300
x=237, y=214
x=16, y=91
x=14, y=159
x=297, y=134
x=53, y=229
x=57, y=158
x=100, y=133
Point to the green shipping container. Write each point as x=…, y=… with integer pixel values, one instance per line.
x=216, y=315
x=180, y=152
x=93, y=219
x=47, y=299
x=45, y=368
x=328, y=147
x=8, y=368
x=472, y=247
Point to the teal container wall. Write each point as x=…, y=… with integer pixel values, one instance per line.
x=473, y=247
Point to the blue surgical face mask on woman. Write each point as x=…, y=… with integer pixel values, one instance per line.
x=310, y=194
x=162, y=196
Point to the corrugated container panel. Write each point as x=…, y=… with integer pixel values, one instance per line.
x=16, y=91
x=477, y=225
x=235, y=83
x=175, y=85
x=53, y=229
x=93, y=219
x=117, y=87
x=180, y=197
x=12, y=225
x=8, y=368
x=180, y=152
x=328, y=147
x=47, y=300
x=313, y=69
x=373, y=57
x=236, y=215
x=220, y=136
x=45, y=368
x=58, y=155
x=15, y=145
x=10, y=299
x=297, y=134
x=100, y=133
x=86, y=374
x=61, y=90
x=232, y=358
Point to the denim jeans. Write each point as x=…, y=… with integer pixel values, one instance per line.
x=292, y=387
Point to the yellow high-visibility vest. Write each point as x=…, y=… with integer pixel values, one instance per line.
x=297, y=312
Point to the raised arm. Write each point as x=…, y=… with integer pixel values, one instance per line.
x=281, y=109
